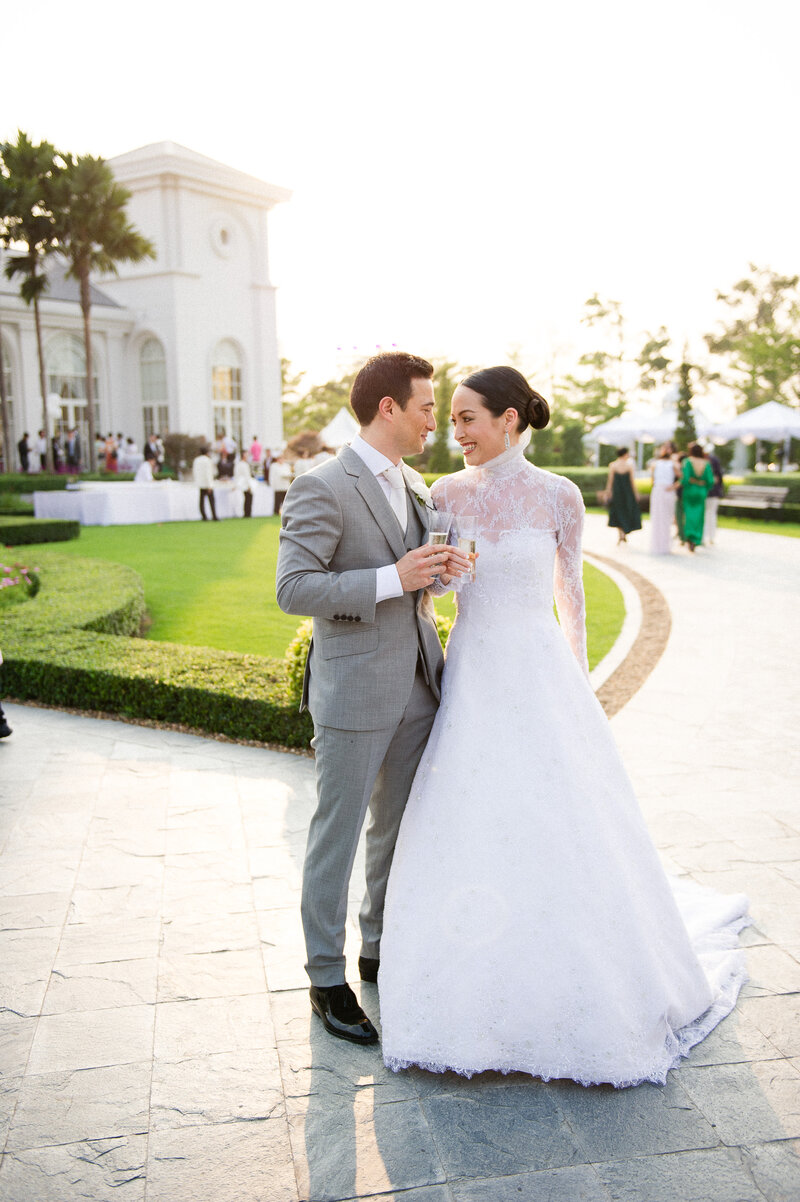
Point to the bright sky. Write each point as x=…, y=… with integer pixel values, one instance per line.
x=465, y=175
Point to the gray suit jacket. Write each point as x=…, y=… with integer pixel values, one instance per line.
x=338, y=527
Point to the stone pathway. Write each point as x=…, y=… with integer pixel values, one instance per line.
x=155, y=1037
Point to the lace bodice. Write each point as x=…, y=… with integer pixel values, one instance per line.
x=530, y=524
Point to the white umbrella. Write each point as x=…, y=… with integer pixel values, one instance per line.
x=772, y=422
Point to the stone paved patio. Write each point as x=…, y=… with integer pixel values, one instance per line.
x=155, y=1036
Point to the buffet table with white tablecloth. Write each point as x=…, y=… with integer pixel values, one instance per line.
x=128, y=504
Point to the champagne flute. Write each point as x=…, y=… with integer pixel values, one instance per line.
x=466, y=525
x=439, y=524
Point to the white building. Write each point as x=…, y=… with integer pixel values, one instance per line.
x=185, y=342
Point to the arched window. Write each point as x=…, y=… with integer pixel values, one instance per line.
x=153, y=371
x=226, y=391
x=65, y=365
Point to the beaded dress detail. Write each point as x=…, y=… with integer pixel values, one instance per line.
x=529, y=924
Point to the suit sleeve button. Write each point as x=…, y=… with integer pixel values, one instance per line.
x=358, y=619
x=336, y=617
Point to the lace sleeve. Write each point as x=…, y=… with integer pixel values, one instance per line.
x=568, y=572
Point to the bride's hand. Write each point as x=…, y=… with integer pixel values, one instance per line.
x=458, y=563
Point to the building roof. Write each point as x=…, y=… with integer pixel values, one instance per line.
x=158, y=160
x=60, y=286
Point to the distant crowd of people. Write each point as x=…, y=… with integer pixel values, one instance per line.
x=686, y=492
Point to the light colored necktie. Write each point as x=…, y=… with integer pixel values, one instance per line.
x=398, y=494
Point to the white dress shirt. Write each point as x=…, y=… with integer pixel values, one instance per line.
x=388, y=578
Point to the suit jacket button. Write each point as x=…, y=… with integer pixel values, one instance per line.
x=358, y=619
x=336, y=617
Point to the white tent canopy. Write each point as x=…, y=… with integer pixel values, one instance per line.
x=644, y=425
x=773, y=422
x=339, y=430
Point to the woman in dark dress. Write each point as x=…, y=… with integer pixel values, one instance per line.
x=623, y=510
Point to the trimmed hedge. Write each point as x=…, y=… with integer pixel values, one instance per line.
x=71, y=645
x=789, y=513
x=23, y=532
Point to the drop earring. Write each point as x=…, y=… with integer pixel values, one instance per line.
x=507, y=442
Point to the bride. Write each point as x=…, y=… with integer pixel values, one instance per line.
x=529, y=924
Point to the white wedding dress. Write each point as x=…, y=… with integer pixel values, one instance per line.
x=529, y=924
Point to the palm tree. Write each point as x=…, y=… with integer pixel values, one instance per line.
x=94, y=234
x=28, y=176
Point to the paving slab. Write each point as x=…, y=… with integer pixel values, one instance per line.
x=156, y=1042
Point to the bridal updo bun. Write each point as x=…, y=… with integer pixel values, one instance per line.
x=503, y=388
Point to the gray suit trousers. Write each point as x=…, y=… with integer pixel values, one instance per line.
x=357, y=770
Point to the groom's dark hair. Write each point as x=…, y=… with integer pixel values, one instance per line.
x=391, y=373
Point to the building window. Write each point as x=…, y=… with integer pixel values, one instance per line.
x=65, y=364
x=226, y=392
x=153, y=371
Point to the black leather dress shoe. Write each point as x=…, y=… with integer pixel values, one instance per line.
x=368, y=969
x=341, y=1014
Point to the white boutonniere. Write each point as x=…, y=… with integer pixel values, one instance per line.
x=420, y=491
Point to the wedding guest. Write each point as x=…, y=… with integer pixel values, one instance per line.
x=145, y=472
x=243, y=480
x=111, y=453
x=203, y=476
x=151, y=448
x=58, y=452
x=697, y=480
x=623, y=512
x=712, y=500
x=73, y=449
x=256, y=451
x=280, y=477
x=662, y=500
x=41, y=448
x=24, y=450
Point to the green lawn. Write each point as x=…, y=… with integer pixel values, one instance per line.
x=212, y=584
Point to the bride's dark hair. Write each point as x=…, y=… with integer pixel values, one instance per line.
x=503, y=388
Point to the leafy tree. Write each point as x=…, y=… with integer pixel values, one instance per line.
x=598, y=394
x=654, y=362
x=445, y=380
x=685, y=430
x=571, y=440
x=318, y=406
x=760, y=341
x=28, y=178
x=94, y=234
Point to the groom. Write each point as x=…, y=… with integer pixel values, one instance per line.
x=353, y=554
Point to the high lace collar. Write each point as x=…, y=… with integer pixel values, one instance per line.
x=507, y=463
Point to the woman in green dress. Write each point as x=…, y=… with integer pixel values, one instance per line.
x=697, y=479
x=623, y=509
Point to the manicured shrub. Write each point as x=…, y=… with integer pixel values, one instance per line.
x=23, y=532
x=72, y=645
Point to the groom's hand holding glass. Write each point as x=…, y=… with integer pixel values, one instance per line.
x=430, y=562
